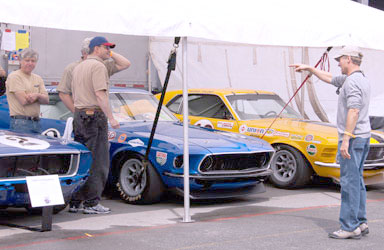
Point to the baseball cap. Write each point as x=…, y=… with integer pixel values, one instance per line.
x=348, y=50
x=100, y=40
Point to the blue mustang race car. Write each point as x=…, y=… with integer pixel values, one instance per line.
x=24, y=155
x=221, y=164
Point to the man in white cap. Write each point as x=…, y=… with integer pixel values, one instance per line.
x=354, y=130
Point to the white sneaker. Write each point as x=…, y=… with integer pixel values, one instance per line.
x=342, y=234
x=364, y=229
x=98, y=209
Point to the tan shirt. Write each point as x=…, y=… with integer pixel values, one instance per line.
x=66, y=80
x=89, y=76
x=18, y=81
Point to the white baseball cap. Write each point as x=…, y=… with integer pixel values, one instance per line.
x=348, y=50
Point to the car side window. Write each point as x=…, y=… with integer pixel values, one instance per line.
x=175, y=104
x=55, y=109
x=210, y=106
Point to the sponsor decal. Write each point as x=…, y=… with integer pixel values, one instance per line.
x=308, y=138
x=260, y=131
x=243, y=128
x=122, y=138
x=296, y=137
x=24, y=142
x=311, y=149
x=161, y=158
x=111, y=135
x=136, y=143
x=282, y=134
x=317, y=142
x=227, y=125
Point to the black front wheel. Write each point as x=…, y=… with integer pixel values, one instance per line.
x=290, y=169
x=137, y=186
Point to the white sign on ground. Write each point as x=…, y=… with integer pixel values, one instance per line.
x=44, y=190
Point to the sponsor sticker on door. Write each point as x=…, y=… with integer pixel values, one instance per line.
x=161, y=158
x=311, y=149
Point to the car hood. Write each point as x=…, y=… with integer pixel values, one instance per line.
x=199, y=138
x=19, y=143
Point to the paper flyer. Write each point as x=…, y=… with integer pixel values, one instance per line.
x=8, y=40
x=22, y=39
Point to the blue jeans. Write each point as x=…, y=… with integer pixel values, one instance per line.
x=92, y=131
x=25, y=126
x=353, y=192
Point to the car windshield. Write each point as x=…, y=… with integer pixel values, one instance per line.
x=128, y=107
x=125, y=107
x=256, y=106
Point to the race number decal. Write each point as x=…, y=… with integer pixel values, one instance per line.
x=23, y=142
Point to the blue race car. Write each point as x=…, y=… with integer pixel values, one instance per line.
x=24, y=155
x=221, y=164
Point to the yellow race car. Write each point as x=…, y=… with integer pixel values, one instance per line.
x=304, y=148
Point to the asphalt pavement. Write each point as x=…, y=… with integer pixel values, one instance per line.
x=276, y=219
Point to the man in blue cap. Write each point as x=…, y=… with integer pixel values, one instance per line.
x=90, y=90
x=114, y=64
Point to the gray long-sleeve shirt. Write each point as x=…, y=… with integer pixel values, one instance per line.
x=355, y=93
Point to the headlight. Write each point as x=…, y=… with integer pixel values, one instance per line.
x=178, y=161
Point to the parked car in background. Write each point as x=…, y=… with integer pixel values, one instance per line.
x=304, y=148
x=222, y=164
x=23, y=155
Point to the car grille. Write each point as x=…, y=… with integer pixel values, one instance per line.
x=376, y=154
x=235, y=163
x=19, y=166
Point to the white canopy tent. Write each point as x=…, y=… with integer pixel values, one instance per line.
x=307, y=23
x=293, y=23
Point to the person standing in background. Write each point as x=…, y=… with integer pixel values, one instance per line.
x=25, y=92
x=90, y=89
x=114, y=64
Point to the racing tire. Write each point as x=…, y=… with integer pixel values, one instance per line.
x=290, y=168
x=137, y=189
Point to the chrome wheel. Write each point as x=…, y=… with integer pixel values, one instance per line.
x=133, y=179
x=284, y=166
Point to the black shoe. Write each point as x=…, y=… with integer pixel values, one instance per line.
x=75, y=208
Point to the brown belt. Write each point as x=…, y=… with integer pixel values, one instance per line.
x=89, y=111
x=31, y=118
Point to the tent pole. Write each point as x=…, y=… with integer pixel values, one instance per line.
x=149, y=73
x=187, y=217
